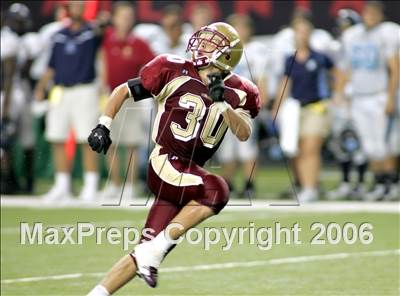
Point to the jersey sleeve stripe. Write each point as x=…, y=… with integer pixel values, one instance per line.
x=170, y=87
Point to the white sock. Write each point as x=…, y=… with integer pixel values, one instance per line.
x=161, y=242
x=311, y=190
x=91, y=180
x=99, y=290
x=63, y=180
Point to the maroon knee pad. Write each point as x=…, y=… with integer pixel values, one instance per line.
x=216, y=193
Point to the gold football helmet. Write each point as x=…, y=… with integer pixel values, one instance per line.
x=217, y=44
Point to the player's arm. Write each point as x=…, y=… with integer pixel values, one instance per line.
x=263, y=89
x=341, y=79
x=41, y=86
x=99, y=139
x=393, y=67
x=103, y=71
x=237, y=119
x=9, y=66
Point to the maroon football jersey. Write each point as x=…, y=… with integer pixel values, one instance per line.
x=187, y=124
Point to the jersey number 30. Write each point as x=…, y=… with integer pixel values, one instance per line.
x=194, y=118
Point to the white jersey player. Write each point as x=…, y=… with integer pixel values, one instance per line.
x=370, y=64
x=20, y=48
x=344, y=142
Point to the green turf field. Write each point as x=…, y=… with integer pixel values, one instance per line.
x=269, y=181
x=359, y=271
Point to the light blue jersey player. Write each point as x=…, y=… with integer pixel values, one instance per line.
x=371, y=62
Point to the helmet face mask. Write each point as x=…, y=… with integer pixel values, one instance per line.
x=215, y=44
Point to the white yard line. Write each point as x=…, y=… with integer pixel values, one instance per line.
x=233, y=205
x=278, y=261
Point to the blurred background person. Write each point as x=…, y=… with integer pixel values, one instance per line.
x=17, y=109
x=45, y=35
x=122, y=56
x=371, y=64
x=252, y=66
x=283, y=45
x=168, y=37
x=345, y=144
x=303, y=117
x=9, y=49
x=200, y=16
x=73, y=101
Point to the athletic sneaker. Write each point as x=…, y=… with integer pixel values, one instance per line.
x=248, y=192
x=376, y=193
x=129, y=194
x=308, y=195
x=343, y=191
x=148, y=259
x=393, y=193
x=358, y=192
x=110, y=191
x=57, y=194
x=88, y=194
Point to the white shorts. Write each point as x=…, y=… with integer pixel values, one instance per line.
x=233, y=149
x=371, y=124
x=132, y=125
x=76, y=108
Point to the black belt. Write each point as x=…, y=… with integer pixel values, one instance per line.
x=75, y=84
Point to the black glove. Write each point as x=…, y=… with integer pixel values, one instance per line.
x=216, y=87
x=99, y=139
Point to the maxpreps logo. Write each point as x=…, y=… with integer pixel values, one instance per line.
x=263, y=237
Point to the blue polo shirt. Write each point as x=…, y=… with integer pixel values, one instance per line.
x=73, y=56
x=309, y=78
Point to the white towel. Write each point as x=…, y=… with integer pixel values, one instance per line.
x=289, y=125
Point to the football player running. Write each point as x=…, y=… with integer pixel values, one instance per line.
x=197, y=101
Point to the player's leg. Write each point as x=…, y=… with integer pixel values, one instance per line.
x=367, y=109
x=91, y=176
x=227, y=155
x=378, y=146
x=247, y=153
x=309, y=163
x=314, y=127
x=132, y=159
x=84, y=116
x=57, y=128
x=160, y=215
x=391, y=186
x=115, y=186
x=113, y=182
x=361, y=164
x=27, y=140
x=62, y=184
x=392, y=140
x=125, y=269
x=200, y=202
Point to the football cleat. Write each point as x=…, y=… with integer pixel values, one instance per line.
x=376, y=194
x=343, y=191
x=392, y=193
x=307, y=195
x=148, y=260
x=358, y=192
